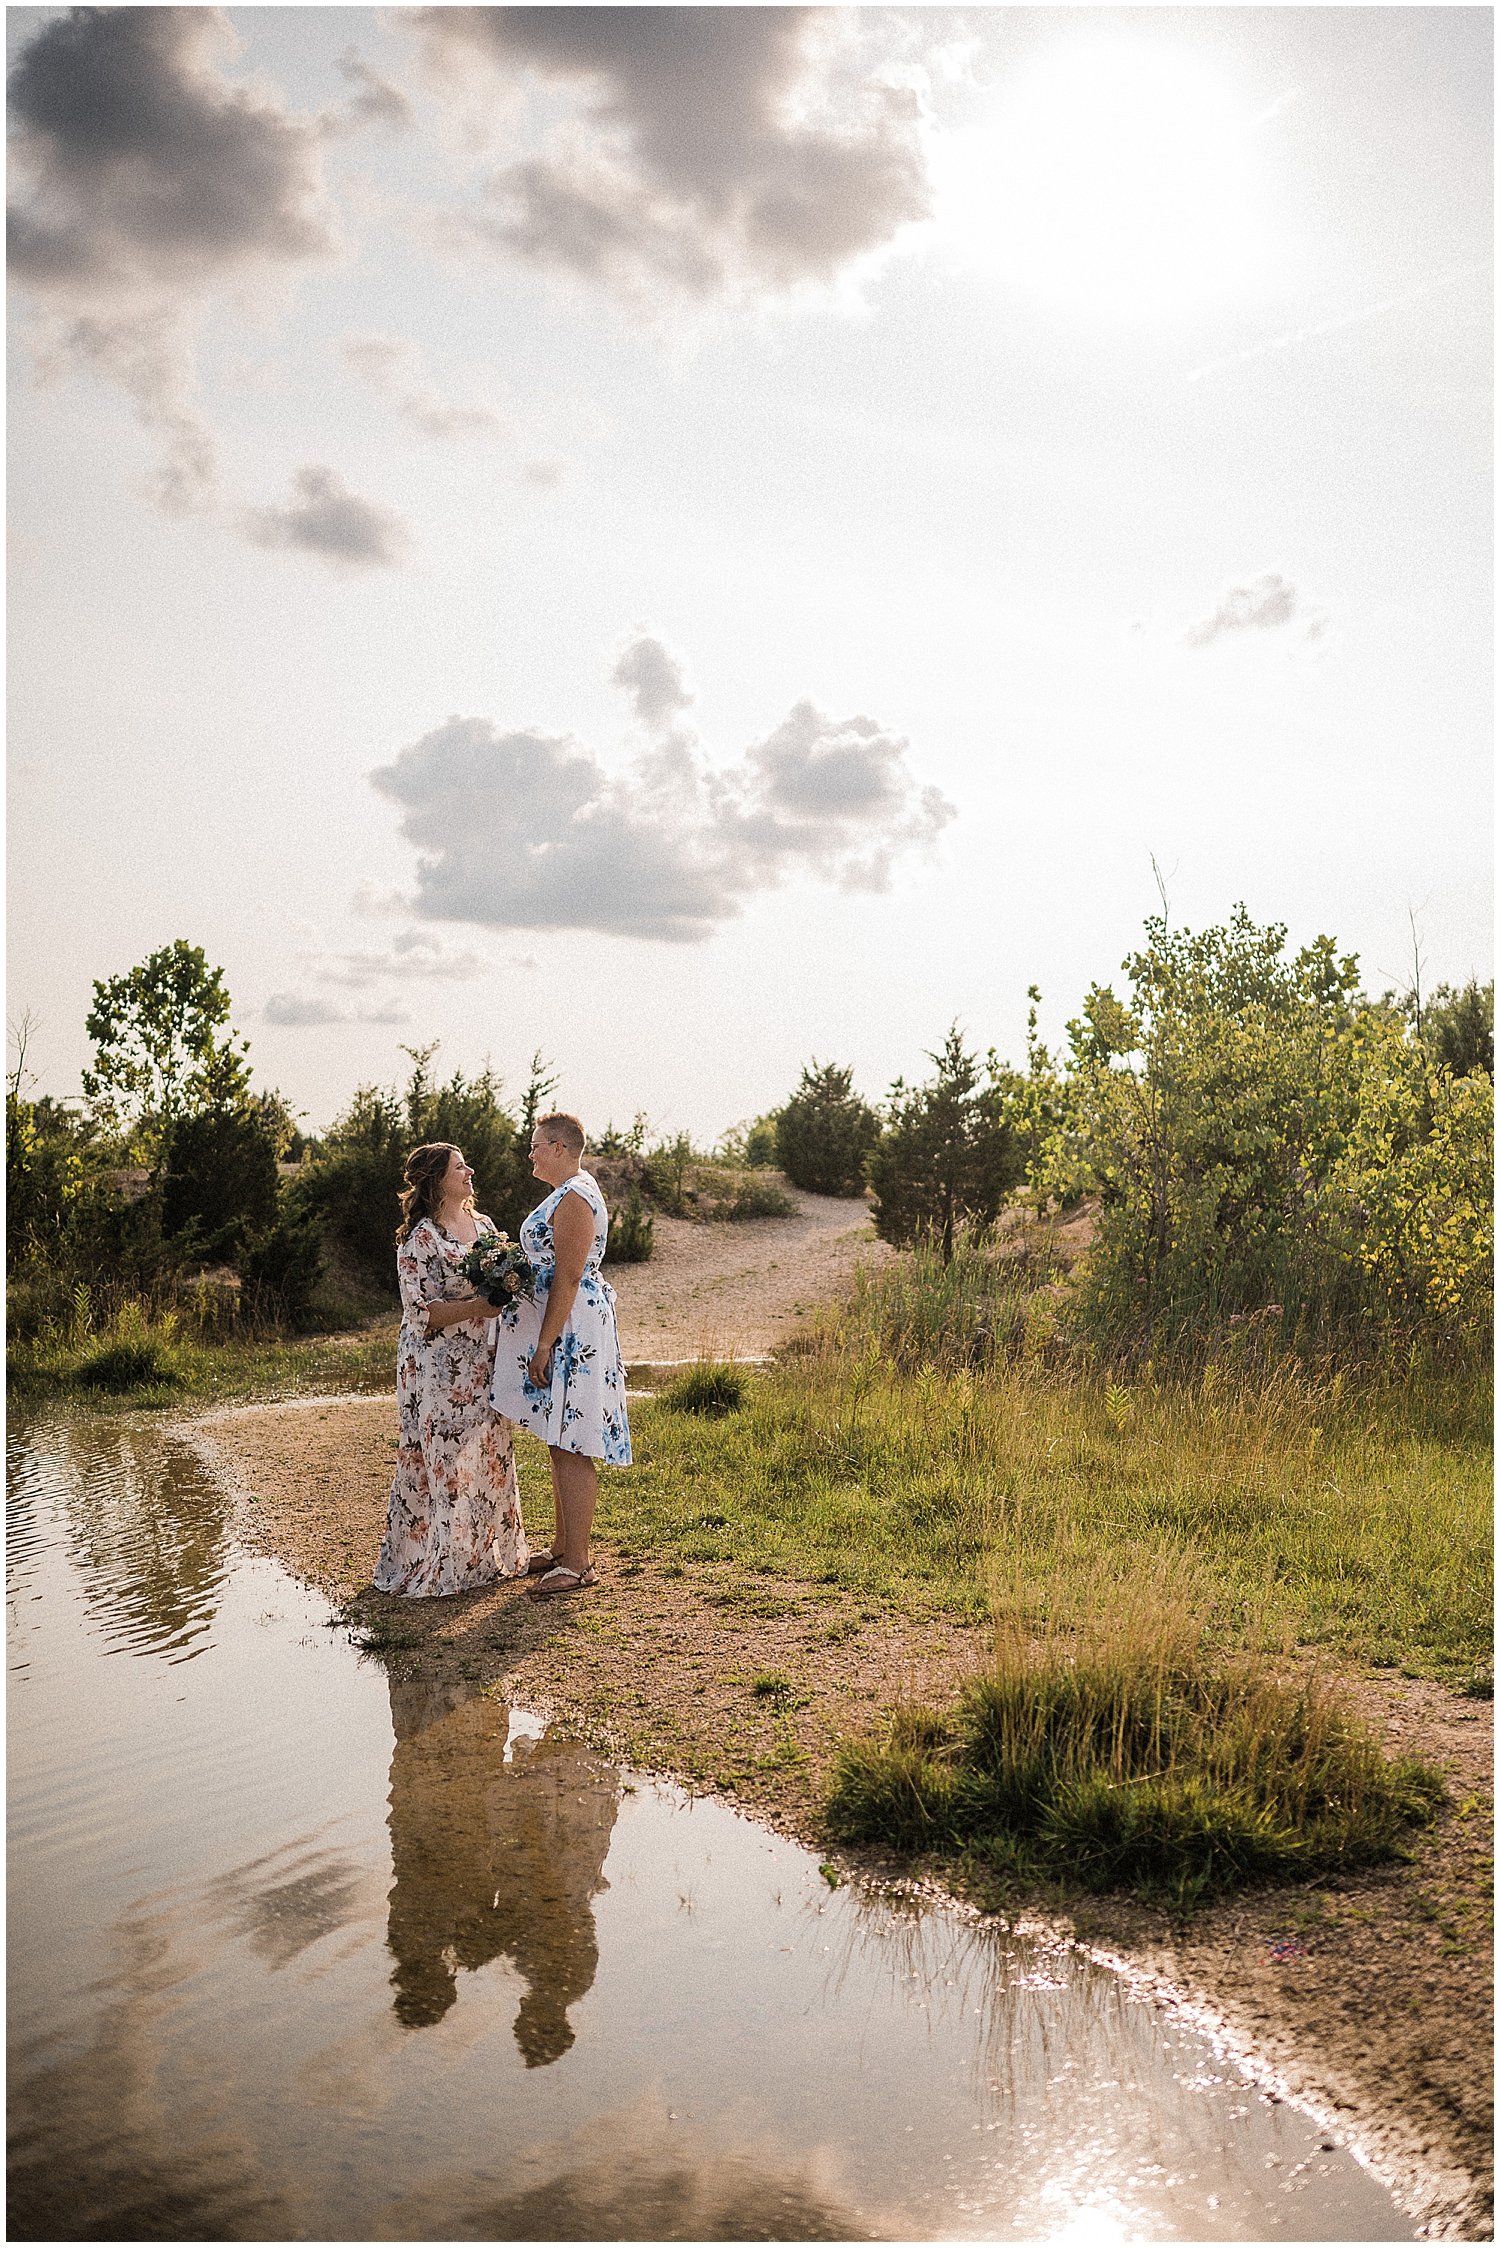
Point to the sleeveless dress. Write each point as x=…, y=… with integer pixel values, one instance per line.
x=583, y=1407
x=455, y=1510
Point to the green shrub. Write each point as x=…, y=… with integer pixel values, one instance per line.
x=220, y=1180
x=353, y=1184
x=753, y=1194
x=825, y=1132
x=281, y=1268
x=126, y=1365
x=709, y=1390
x=632, y=1232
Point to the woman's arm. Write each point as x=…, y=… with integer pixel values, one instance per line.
x=573, y=1237
x=420, y=1269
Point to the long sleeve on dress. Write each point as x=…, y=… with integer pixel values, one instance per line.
x=419, y=1271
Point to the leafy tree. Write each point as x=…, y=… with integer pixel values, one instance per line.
x=158, y=1053
x=825, y=1132
x=1265, y=1138
x=352, y=1183
x=951, y=1151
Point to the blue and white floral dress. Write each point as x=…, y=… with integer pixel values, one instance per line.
x=583, y=1407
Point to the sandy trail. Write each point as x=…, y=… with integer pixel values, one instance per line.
x=737, y=1290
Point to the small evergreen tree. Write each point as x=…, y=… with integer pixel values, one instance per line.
x=951, y=1151
x=1459, y=1028
x=825, y=1132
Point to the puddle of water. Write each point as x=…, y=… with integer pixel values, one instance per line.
x=299, y=1951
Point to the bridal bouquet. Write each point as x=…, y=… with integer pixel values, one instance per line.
x=499, y=1268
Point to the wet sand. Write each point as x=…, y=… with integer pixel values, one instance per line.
x=1371, y=1997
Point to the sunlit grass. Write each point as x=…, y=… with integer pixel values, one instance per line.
x=1353, y=1519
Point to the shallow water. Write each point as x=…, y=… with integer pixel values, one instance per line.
x=299, y=1951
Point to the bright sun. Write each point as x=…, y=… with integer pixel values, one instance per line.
x=1113, y=177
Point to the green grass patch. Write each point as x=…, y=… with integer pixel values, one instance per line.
x=709, y=1390
x=1351, y=1518
x=136, y=1361
x=1128, y=1753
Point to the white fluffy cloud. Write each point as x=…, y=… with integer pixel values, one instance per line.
x=714, y=150
x=525, y=830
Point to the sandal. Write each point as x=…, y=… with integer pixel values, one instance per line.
x=561, y=1580
x=540, y=1563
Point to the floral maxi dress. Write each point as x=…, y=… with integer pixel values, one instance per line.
x=582, y=1409
x=455, y=1508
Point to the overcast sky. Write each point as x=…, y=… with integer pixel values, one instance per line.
x=692, y=539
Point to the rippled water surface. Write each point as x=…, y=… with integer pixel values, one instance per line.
x=299, y=1951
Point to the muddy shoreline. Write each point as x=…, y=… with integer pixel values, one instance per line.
x=1369, y=1999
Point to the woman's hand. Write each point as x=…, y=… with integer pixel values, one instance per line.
x=537, y=1372
x=448, y=1311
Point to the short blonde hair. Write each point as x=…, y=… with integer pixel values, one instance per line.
x=564, y=1129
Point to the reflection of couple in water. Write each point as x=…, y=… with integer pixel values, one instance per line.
x=494, y=1856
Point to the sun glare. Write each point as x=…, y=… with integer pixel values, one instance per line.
x=1113, y=177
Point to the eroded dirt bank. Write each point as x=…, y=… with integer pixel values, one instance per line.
x=1372, y=1996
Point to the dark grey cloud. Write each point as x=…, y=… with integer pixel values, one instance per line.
x=141, y=165
x=394, y=369
x=1260, y=605
x=325, y=518
x=141, y=178
x=731, y=147
x=292, y=1010
x=526, y=830
x=652, y=677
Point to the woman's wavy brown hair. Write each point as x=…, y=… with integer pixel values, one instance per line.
x=424, y=1184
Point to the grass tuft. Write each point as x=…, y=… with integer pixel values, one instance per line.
x=119, y=1367
x=1127, y=1753
x=709, y=1390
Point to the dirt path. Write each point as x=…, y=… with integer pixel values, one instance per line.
x=725, y=1290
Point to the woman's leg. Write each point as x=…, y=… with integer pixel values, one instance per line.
x=575, y=1494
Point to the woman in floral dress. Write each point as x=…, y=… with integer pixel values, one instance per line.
x=455, y=1509
x=558, y=1369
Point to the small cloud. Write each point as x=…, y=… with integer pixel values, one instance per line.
x=292, y=1010
x=414, y=955
x=547, y=474
x=141, y=164
x=652, y=677
x=325, y=518
x=375, y=100
x=394, y=369
x=1260, y=606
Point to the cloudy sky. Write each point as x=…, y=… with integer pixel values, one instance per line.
x=694, y=538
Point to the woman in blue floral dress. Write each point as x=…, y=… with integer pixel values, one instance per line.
x=558, y=1369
